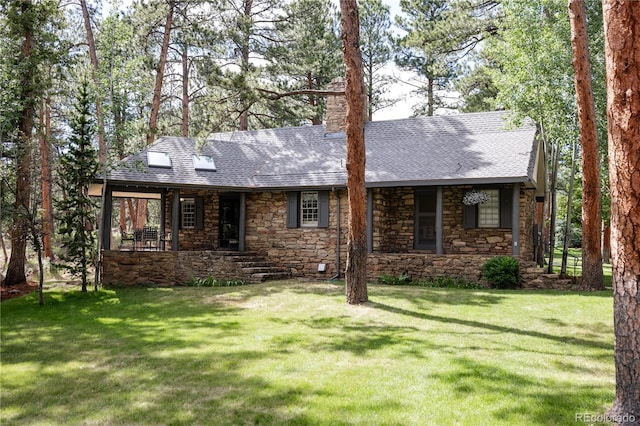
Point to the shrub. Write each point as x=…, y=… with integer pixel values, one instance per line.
x=449, y=282
x=502, y=272
x=212, y=282
x=403, y=278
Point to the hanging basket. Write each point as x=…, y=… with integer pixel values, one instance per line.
x=473, y=197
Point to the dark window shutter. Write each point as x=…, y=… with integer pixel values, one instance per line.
x=506, y=207
x=199, y=212
x=323, y=209
x=469, y=216
x=180, y=215
x=292, y=209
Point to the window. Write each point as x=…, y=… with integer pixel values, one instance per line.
x=489, y=212
x=158, y=159
x=188, y=213
x=495, y=213
x=309, y=209
x=191, y=212
x=204, y=162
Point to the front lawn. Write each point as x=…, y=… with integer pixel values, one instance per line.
x=296, y=353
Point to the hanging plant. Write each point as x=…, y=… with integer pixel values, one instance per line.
x=473, y=197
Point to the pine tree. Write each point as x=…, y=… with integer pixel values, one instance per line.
x=78, y=167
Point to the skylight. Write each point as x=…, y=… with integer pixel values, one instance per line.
x=158, y=159
x=204, y=162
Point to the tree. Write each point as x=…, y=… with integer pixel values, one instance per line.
x=305, y=55
x=78, y=168
x=415, y=53
x=622, y=48
x=157, y=90
x=27, y=30
x=356, y=270
x=592, y=275
x=375, y=39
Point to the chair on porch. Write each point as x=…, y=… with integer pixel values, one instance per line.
x=149, y=237
x=126, y=237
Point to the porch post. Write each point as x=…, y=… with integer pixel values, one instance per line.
x=175, y=219
x=163, y=215
x=369, y=220
x=439, y=229
x=241, y=225
x=515, y=220
x=106, y=218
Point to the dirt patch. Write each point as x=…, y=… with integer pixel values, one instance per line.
x=18, y=290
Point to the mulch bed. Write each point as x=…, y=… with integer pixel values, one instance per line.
x=18, y=290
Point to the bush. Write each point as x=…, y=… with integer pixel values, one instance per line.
x=212, y=282
x=449, y=282
x=393, y=280
x=502, y=272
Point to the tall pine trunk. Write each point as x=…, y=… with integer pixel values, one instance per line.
x=20, y=228
x=157, y=90
x=93, y=56
x=356, y=270
x=46, y=178
x=185, y=90
x=592, y=276
x=622, y=52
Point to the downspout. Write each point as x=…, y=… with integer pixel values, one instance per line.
x=337, y=275
x=515, y=220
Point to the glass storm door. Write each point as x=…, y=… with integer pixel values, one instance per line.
x=425, y=219
x=229, y=222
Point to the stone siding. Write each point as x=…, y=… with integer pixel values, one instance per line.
x=298, y=249
x=197, y=239
x=165, y=268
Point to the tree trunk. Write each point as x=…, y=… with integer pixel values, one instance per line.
x=45, y=173
x=157, y=90
x=592, y=276
x=553, y=205
x=185, y=90
x=622, y=52
x=20, y=227
x=606, y=242
x=567, y=223
x=356, y=269
x=317, y=118
x=243, y=123
x=102, y=147
x=430, y=84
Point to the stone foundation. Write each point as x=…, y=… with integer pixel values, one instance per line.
x=165, y=268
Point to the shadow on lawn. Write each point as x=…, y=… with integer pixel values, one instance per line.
x=497, y=328
x=516, y=398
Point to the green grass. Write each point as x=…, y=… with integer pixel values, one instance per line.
x=574, y=264
x=296, y=353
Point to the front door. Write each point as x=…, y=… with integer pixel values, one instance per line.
x=229, y=236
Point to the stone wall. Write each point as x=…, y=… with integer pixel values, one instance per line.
x=165, y=268
x=298, y=249
x=197, y=239
x=424, y=266
x=393, y=224
x=393, y=220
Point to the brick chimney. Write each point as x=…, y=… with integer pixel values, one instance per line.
x=337, y=108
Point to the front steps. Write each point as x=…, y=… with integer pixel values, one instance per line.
x=257, y=268
x=534, y=277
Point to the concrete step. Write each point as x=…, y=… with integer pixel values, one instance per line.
x=266, y=276
x=262, y=269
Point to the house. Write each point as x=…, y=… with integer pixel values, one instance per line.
x=281, y=194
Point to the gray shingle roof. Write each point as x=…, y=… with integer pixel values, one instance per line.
x=465, y=148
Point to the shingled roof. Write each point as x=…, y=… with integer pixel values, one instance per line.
x=471, y=148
